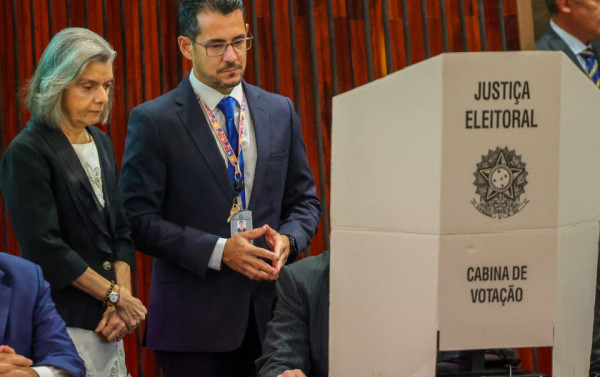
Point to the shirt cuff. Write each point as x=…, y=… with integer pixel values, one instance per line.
x=44, y=371
x=214, y=263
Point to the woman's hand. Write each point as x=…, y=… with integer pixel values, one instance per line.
x=111, y=327
x=130, y=309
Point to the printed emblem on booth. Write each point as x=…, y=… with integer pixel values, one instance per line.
x=500, y=179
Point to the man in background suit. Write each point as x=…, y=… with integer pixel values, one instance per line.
x=33, y=337
x=574, y=26
x=212, y=292
x=297, y=337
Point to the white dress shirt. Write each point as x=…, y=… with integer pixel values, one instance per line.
x=44, y=371
x=211, y=98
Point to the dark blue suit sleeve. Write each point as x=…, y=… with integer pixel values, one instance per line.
x=143, y=185
x=51, y=345
x=287, y=345
x=301, y=209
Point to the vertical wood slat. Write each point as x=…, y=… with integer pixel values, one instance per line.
x=368, y=47
x=444, y=25
x=350, y=51
x=407, y=48
x=160, y=47
x=389, y=62
x=463, y=25
x=149, y=63
x=274, y=49
x=50, y=18
x=501, y=25
x=426, y=42
x=105, y=36
x=317, y=119
x=86, y=12
x=5, y=107
x=174, y=7
x=332, y=50
x=104, y=20
x=295, y=73
x=33, y=33
x=68, y=7
x=22, y=59
x=136, y=284
x=482, y=34
x=256, y=45
x=125, y=60
x=142, y=61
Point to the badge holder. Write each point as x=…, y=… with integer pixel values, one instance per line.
x=240, y=220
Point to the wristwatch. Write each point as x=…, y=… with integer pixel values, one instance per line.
x=293, y=246
x=112, y=296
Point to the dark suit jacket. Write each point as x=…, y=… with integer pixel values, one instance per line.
x=57, y=219
x=177, y=195
x=29, y=322
x=298, y=334
x=552, y=42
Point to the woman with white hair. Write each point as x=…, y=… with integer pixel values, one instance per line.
x=59, y=181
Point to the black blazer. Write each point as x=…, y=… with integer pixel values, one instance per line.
x=57, y=219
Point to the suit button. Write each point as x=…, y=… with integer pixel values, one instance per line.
x=107, y=265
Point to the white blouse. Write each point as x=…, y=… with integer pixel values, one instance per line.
x=88, y=156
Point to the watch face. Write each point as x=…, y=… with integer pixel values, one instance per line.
x=113, y=297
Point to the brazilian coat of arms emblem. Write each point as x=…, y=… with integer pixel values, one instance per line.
x=500, y=179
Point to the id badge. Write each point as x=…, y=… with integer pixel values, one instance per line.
x=241, y=222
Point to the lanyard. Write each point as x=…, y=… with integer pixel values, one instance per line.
x=236, y=163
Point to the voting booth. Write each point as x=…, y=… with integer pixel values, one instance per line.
x=465, y=198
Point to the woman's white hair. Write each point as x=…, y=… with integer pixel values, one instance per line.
x=62, y=63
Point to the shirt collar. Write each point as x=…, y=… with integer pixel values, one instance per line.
x=574, y=44
x=210, y=96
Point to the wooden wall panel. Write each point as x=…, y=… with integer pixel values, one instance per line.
x=144, y=34
x=57, y=18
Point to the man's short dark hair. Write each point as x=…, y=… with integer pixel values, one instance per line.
x=188, y=9
x=551, y=4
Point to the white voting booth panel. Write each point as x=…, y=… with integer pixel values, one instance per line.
x=465, y=198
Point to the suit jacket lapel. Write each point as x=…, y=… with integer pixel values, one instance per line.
x=193, y=118
x=4, y=308
x=108, y=176
x=74, y=173
x=262, y=131
x=556, y=43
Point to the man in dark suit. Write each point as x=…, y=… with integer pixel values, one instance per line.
x=183, y=175
x=297, y=337
x=33, y=337
x=574, y=26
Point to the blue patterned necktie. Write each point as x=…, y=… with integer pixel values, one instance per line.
x=227, y=107
x=592, y=66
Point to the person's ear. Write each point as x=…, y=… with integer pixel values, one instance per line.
x=564, y=6
x=186, y=47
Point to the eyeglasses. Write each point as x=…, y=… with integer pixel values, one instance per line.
x=220, y=48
